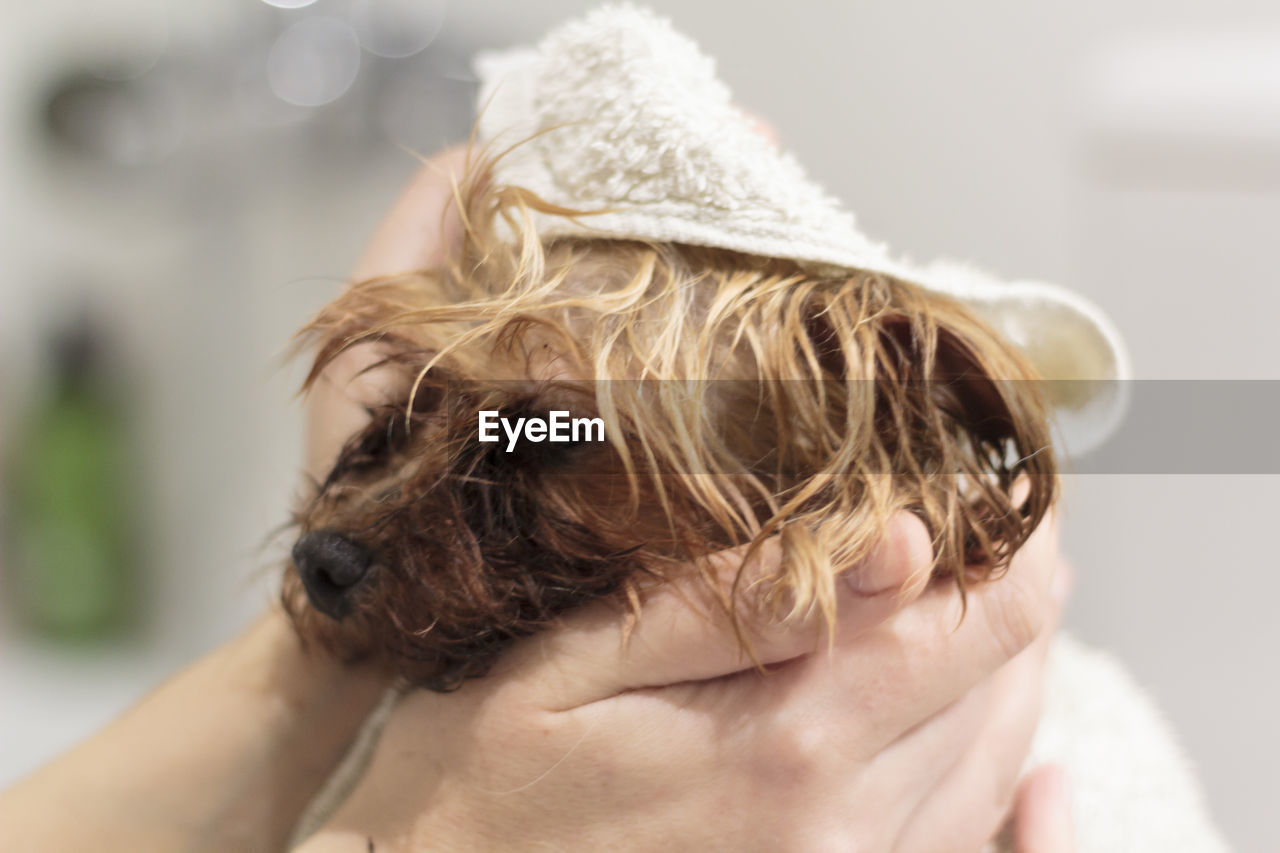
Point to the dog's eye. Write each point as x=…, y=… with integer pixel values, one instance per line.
x=428, y=397
x=386, y=435
x=376, y=443
x=370, y=450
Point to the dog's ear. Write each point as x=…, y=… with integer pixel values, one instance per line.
x=980, y=383
x=968, y=384
x=967, y=375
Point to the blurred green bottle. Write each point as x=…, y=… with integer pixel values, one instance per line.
x=71, y=502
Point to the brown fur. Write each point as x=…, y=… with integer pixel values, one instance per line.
x=743, y=398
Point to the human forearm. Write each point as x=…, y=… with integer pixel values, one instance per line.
x=222, y=756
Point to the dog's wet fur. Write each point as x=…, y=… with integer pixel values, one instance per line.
x=837, y=400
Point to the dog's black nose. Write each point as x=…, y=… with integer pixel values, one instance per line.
x=331, y=567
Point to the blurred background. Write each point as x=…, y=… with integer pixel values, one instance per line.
x=183, y=182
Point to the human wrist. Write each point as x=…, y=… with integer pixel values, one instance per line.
x=289, y=713
x=291, y=683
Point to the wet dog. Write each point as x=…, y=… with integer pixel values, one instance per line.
x=739, y=398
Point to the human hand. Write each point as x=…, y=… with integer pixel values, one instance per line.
x=907, y=735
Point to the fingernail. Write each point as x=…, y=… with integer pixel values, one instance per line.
x=894, y=563
x=877, y=574
x=874, y=574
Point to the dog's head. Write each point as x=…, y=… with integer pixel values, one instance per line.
x=431, y=551
x=739, y=398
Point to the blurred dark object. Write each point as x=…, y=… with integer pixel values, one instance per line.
x=341, y=85
x=72, y=502
x=128, y=122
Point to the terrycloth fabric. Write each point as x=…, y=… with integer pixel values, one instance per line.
x=632, y=119
x=1134, y=790
x=617, y=112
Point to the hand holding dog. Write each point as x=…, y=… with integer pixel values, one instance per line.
x=907, y=736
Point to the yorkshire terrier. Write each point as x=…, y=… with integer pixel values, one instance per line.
x=738, y=397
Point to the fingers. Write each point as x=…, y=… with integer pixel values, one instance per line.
x=926, y=656
x=1042, y=821
x=684, y=635
x=971, y=799
x=421, y=225
x=946, y=646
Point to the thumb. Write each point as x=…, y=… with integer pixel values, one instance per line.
x=1042, y=820
x=682, y=636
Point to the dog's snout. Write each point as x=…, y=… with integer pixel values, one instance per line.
x=331, y=567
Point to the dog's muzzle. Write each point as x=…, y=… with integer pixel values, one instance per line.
x=331, y=567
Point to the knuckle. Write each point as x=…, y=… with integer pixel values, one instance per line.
x=794, y=756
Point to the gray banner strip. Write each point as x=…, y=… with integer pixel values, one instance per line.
x=1211, y=426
